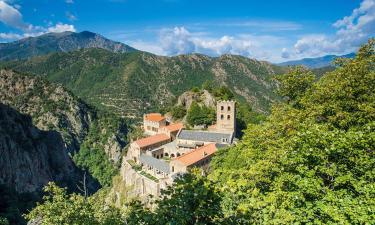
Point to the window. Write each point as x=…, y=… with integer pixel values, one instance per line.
x=228, y=108
x=228, y=117
x=172, y=169
x=222, y=108
x=222, y=116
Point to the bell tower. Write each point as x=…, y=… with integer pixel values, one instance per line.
x=226, y=116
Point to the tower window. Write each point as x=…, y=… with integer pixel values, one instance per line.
x=228, y=117
x=222, y=108
x=228, y=108
x=222, y=116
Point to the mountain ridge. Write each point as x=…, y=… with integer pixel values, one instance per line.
x=58, y=42
x=136, y=82
x=318, y=62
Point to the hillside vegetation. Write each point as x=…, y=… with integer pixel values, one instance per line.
x=130, y=84
x=311, y=162
x=42, y=126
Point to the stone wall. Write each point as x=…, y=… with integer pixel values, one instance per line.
x=141, y=186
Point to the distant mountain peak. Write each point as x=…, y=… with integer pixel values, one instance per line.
x=318, y=62
x=58, y=42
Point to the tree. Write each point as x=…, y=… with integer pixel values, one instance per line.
x=178, y=112
x=60, y=208
x=295, y=83
x=200, y=115
x=192, y=200
x=311, y=164
x=223, y=93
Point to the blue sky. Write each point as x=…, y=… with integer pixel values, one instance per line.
x=267, y=30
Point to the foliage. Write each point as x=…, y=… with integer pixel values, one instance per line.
x=92, y=156
x=131, y=84
x=178, y=112
x=13, y=204
x=59, y=208
x=246, y=116
x=295, y=83
x=191, y=200
x=200, y=115
x=310, y=163
x=223, y=93
x=3, y=221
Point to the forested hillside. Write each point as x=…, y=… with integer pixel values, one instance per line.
x=132, y=83
x=311, y=162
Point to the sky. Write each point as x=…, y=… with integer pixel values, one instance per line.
x=272, y=30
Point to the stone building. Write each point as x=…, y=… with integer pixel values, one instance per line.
x=152, y=122
x=226, y=116
x=171, y=130
x=143, y=145
x=152, y=163
x=199, y=157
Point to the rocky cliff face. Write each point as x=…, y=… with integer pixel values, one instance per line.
x=61, y=121
x=202, y=97
x=31, y=157
x=50, y=106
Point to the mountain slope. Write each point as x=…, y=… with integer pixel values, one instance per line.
x=132, y=83
x=30, y=157
x=102, y=136
x=319, y=62
x=58, y=42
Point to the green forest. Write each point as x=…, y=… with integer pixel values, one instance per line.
x=311, y=161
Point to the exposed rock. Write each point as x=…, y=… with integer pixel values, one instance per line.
x=31, y=157
x=202, y=98
x=50, y=106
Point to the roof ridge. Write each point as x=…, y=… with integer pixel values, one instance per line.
x=204, y=146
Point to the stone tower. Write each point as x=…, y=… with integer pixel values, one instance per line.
x=226, y=116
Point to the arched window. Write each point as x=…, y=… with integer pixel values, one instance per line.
x=166, y=154
x=178, y=154
x=222, y=116
x=222, y=108
x=172, y=169
x=228, y=108
x=172, y=155
x=228, y=117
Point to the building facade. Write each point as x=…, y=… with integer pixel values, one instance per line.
x=226, y=116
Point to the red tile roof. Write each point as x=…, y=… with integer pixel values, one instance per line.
x=156, y=117
x=154, y=139
x=197, y=154
x=174, y=127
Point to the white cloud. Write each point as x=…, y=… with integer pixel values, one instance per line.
x=60, y=27
x=69, y=1
x=10, y=16
x=352, y=31
x=70, y=16
x=179, y=40
x=10, y=36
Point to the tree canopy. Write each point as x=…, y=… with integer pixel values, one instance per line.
x=311, y=162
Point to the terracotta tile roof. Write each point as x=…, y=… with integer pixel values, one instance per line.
x=154, y=139
x=154, y=117
x=174, y=127
x=197, y=154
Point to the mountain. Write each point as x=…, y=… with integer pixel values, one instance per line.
x=130, y=84
x=58, y=42
x=47, y=134
x=319, y=62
